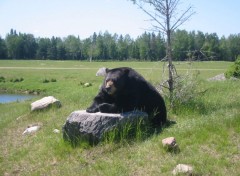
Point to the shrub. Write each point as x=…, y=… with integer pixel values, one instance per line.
x=16, y=80
x=234, y=70
x=186, y=89
x=45, y=81
x=2, y=79
x=53, y=80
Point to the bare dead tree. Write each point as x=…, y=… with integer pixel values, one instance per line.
x=166, y=18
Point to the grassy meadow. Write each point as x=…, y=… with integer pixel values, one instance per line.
x=207, y=129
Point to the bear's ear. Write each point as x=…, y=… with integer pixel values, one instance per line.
x=107, y=70
x=102, y=71
x=126, y=71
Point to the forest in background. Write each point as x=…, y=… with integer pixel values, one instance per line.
x=105, y=47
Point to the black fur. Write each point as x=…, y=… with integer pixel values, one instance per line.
x=133, y=92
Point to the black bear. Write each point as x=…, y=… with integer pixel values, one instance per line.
x=126, y=90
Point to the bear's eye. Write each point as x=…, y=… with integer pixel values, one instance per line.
x=107, y=80
x=109, y=83
x=111, y=80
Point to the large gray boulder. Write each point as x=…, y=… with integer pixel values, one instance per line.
x=81, y=125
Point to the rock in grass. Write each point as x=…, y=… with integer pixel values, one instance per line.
x=45, y=103
x=170, y=144
x=220, y=77
x=183, y=169
x=87, y=84
x=101, y=72
x=56, y=131
x=81, y=125
x=31, y=129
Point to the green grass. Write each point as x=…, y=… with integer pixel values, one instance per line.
x=207, y=129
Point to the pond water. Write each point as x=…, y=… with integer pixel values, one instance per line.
x=8, y=98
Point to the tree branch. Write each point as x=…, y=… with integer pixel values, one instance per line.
x=183, y=18
x=152, y=16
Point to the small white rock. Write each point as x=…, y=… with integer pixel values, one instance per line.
x=182, y=168
x=101, y=72
x=87, y=84
x=31, y=130
x=56, y=131
x=170, y=142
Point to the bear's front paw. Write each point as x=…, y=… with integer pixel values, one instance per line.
x=107, y=108
x=104, y=107
x=91, y=110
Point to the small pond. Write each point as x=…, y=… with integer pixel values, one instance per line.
x=8, y=98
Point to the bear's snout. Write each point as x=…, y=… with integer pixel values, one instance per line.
x=110, y=88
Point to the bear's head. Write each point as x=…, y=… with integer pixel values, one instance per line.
x=115, y=80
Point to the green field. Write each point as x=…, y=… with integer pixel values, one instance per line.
x=207, y=129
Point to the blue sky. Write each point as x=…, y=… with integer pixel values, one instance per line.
x=60, y=18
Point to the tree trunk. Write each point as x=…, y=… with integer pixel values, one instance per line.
x=170, y=67
x=169, y=56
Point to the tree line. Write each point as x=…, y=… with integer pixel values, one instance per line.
x=105, y=46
